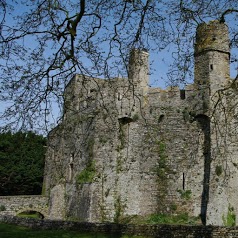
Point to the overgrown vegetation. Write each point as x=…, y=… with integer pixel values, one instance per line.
x=182, y=218
x=162, y=167
x=230, y=218
x=2, y=208
x=21, y=163
x=118, y=210
x=135, y=117
x=185, y=194
x=30, y=214
x=87, y=175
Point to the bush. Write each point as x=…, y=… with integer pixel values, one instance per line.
x=185, y=194
x=230, y=219
x=2, y=208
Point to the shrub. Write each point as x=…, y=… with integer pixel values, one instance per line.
x=2, y=208
x=230, y=219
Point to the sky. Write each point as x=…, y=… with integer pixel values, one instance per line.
x=160, y=62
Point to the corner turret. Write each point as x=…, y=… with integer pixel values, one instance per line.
x=212, y=56
x=139, y=71
x=132, y=91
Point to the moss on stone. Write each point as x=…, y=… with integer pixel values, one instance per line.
x=185, y=194
x=218, y=170
x=86, y=175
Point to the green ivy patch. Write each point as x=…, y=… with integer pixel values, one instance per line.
x=87, y=175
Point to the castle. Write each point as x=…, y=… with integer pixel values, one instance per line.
x=124, y=149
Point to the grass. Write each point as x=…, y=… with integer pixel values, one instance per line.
x=12, y=231
x=30, y=214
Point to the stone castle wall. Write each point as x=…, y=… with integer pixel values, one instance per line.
x=13, y=205
x=124, y=149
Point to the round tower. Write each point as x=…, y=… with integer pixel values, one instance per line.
x=212, y=55
x=139, y=70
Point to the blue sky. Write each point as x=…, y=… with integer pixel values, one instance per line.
x=160, y=60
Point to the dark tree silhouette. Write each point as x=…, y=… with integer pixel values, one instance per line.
x=21, y=163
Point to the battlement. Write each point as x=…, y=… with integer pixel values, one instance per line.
x=211, y=73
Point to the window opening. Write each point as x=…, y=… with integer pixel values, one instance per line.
x=183, y=181
x=182, y=94
x=161, y=118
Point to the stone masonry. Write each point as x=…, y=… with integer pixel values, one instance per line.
x=124, y=149
x=14, y=205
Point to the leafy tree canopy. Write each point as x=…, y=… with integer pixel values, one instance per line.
x=43, y=43
x=21, y=163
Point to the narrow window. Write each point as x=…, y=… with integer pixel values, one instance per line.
x=211, y=66
x=183, y=181
x=118, y=96
x=182, y=94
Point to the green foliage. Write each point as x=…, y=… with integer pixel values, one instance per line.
x=13, y=231
x=118, y=210
x=11, y=228
x=182, y=218
x=21, y=163
x=162, y=167
x=230, y=219
x=87, y=175
x=103, y=140
x=2, y=208
x=185, y=194
x=173, y=207
x=135, y=117
x=218, y=170
x=30, y=214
